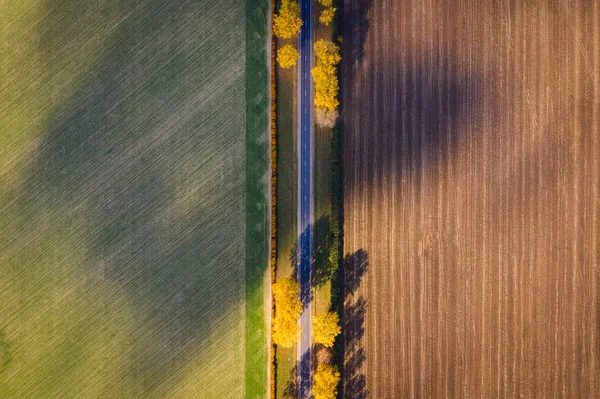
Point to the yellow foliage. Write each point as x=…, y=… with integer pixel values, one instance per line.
x=326, y=3
x=326, y=327
x=287, y=311
x=326, y=380
x=287, y=56
x=326, y=87
x=327, y=52
x=325, y=75
x=287, y=23
x=327, y=15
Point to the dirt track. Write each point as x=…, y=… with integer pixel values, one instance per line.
x=472, y=175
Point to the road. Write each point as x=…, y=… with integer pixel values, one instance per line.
x=305, y=194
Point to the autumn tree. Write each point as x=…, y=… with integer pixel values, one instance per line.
x=326, y=380
x=326, y=3
x=326, y=81
x=287, y=311
x=327, y=52
x=287, y=23
x=327, y=15
x=287, y=56
x=326, y=327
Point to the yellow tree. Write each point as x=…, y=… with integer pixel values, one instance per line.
x=327, y=52
x=287, y=311
x=326, y=380
x=326, y=327
x=326, y=3
x=326, y=87
x=287, y=56
x=287, y=23
x=325, y=77
x=327, y=15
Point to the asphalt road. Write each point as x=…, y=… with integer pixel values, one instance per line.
x=305, y=194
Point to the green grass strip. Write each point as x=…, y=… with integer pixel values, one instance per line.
x=257, y=226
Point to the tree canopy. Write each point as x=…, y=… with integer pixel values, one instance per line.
x=287, y=23
x=327, y=15
x=325, y=75
x=287, y=56
x=326, y=327
x=287, y=311
x=326, y=380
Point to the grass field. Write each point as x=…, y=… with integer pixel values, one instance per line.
x=287, y=193
x=322, y=186
x=133, y=183
x=471, y=154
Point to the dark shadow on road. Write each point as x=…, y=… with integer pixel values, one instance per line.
x=302, y=258
x=322, y=268
x=304, y=387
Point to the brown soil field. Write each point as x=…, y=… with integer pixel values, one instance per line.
x=471, y=155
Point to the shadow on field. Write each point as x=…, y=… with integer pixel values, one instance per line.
x=355, y=26
x=291, y=388
x=139, y=154
x=421, y=101
x=353, y=326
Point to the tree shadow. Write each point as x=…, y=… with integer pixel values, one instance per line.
x=355, y=27
x=354, y=320
x=291, y=388
x=353, y=382
x=355, y=266
x=305, y=382
x=301, y=264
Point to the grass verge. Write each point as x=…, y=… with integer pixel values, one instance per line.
x=257, y=209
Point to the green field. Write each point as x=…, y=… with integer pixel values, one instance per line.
x=133, y=234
